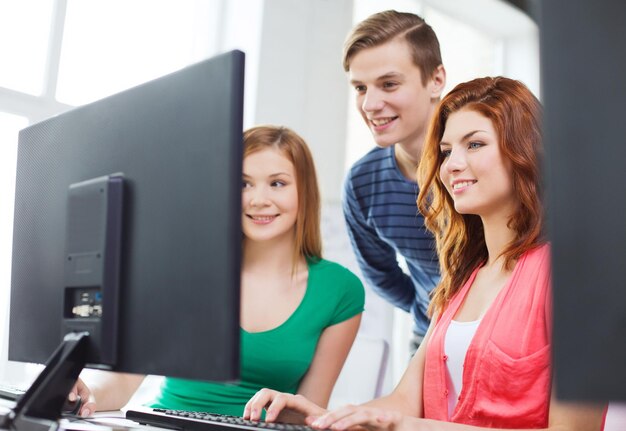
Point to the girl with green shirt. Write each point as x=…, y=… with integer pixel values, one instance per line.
x=299, y=312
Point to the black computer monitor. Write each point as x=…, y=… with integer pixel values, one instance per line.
x=127, y=235
x=584, y=92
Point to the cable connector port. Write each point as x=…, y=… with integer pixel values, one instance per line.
x=87, y=310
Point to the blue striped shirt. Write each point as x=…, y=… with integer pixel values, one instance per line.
x=383, y=221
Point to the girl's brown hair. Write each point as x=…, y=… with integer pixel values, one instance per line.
x=308, y=239
x=516, y=116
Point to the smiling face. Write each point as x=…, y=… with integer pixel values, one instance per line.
x=269, y=196
x=390, y=95
x=473, y=170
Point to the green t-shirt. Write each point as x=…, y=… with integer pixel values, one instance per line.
x=280, y=357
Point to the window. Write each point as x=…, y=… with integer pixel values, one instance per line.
x=114, y=45
x=24, y=30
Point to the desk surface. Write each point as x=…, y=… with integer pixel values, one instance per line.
x=100, y=421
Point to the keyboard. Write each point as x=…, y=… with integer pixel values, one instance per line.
x=9, y=392
x=198, y=421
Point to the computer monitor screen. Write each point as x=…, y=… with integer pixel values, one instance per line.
x=584, y=93
x=172, y=228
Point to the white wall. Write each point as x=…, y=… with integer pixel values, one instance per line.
x=302, y=84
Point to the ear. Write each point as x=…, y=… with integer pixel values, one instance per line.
x=437, y=82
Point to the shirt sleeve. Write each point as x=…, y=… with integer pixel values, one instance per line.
x=351, y=301
x=376, y=258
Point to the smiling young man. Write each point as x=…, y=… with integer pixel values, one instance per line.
x=394, y=64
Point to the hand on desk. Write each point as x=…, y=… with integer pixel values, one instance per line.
x=80, y=392
x=366, y=418
x=111, y=390
x=282, y=407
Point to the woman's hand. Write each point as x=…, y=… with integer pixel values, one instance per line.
x=281, y=407
x=370, y=418
x=81, y=390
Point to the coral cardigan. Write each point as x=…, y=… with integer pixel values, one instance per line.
x=507, y=371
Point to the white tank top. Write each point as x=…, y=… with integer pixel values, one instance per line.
x=457, y=340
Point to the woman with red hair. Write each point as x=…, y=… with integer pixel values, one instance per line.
x=485, y=360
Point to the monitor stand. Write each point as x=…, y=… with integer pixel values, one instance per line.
x=39, y=409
